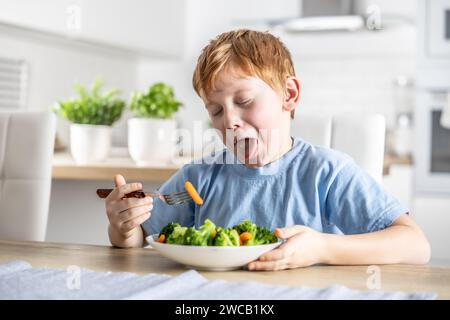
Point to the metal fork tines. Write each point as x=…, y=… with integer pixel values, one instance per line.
x=176, y=198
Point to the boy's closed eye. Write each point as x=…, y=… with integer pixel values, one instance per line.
x=243, y=102
x=218, y=110
x=215, y=111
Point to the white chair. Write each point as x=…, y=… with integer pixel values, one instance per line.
x=361, y=136
x=26, y=153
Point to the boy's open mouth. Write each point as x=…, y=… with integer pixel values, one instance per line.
x=246, y=148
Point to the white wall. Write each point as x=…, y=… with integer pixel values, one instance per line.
x=55, y=64
x=205, y=19
x=155, y=27
x=354, y=84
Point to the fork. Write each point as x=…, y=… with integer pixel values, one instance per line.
x=171, y=199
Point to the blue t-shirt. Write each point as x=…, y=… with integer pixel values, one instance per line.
x=313, y=186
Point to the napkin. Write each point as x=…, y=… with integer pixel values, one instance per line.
x=19, y=280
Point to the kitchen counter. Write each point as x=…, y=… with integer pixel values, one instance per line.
x=392, y=160
x=64, y=167
x=145, y=260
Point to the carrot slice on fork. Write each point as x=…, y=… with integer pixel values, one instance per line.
x=193, y=193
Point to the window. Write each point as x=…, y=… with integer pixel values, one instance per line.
x=440, y=145
x=12, y=84
x=447, y=24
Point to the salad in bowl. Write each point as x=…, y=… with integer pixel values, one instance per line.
x=211, y=247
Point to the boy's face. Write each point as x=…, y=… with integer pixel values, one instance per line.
x=253, y=119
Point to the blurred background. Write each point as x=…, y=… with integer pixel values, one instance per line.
x=358, y=56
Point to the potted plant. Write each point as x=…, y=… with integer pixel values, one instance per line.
x=151, y=132
x=91, y=115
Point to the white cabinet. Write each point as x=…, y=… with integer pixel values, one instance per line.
x=399, y=183
x=431, y=212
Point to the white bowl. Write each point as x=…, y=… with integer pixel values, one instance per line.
x=211, y=258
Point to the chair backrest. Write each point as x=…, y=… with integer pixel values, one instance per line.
x=26, y=153
x=362, y=136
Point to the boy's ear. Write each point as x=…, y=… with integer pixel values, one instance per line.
x=291, y=94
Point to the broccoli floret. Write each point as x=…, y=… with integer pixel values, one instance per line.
x=226, y=237
x=209, y=234
x=222, y=238
x=260, y=235
x=264, y=236
x=193, y=237
x=168, y=229
x=177, y=235
x=234, y=237
x=207, y=228
x=201, y=237
x=246, y=226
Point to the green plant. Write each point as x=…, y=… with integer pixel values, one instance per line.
x=92, y=107
x=158, y=102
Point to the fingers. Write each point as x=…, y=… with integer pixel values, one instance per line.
x=128, y=203
x=119, y=180
x=125, y=214
x=132, y=213
x=123, y=210
x=268, y=265
x=282, y=252
x=288, y=232
x=133, y=223
x=276, y=254
x=279, y=258
x=119, y=192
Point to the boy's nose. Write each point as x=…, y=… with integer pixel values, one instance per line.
x=232, y=120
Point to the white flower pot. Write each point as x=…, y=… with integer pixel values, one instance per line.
x=151, y=141
x=89, y=143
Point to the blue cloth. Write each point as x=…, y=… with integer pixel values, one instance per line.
x=318, y=187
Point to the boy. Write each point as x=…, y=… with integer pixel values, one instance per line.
x=317, y=199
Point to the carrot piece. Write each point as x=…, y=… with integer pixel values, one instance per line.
x=193, y=193
x=162, y=238
x=245, y=236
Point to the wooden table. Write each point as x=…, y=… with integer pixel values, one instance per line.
x=144, y=260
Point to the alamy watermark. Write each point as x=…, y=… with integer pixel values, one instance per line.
x=373, y=21
x=74, y=19
x=73, y=280
x=245, y=146
x=374, y=280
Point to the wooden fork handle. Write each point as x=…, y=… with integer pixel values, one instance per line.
x=103, y=193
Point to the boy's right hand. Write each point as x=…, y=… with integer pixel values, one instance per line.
x=127, y=214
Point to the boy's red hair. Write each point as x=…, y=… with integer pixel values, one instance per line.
x=253, y=53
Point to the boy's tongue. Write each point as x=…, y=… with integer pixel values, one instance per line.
x=247, y=148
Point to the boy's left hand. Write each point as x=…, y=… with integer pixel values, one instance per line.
x=304, y=247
